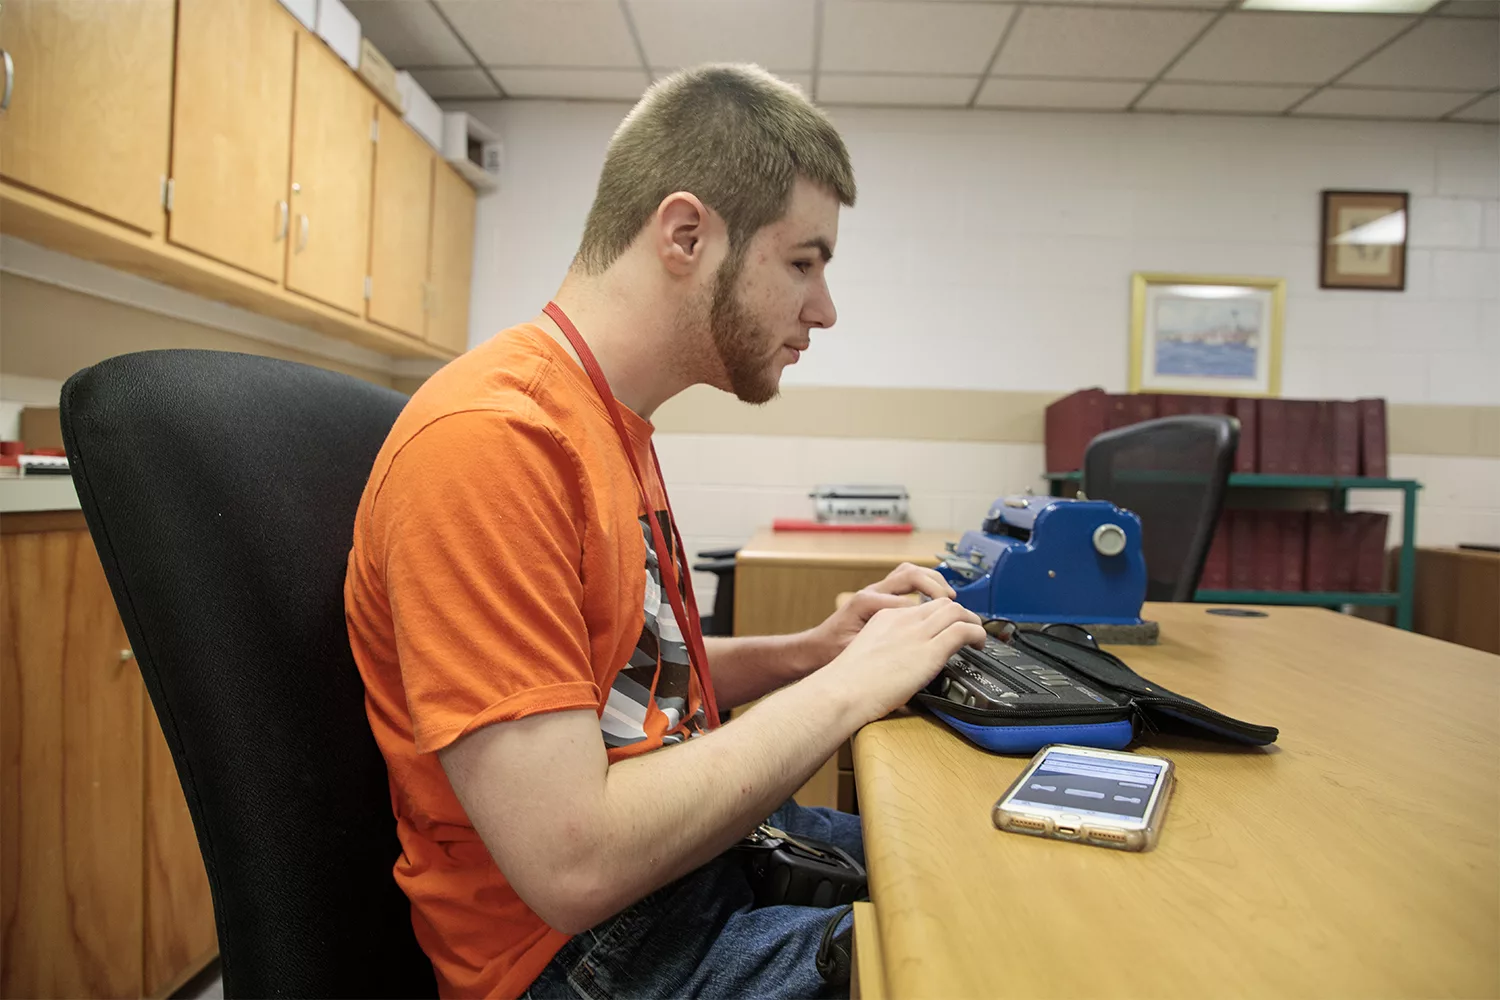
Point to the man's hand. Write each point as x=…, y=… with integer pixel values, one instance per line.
x=897, y=590
x=898, y=653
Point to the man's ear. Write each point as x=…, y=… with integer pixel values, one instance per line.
x=680, y=223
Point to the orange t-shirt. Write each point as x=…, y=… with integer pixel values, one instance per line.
x=502, y=566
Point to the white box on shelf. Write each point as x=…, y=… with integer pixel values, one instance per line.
x=305, y=11
x=340, y=29
x=422, y=112
x=473, y=150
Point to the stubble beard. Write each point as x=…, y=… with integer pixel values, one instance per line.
x=740, y=339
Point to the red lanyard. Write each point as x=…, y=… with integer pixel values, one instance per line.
x=687, y=619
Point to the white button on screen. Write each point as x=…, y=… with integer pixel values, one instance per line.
x=1045, y=788
x=1127, y=798
x=1083, y=793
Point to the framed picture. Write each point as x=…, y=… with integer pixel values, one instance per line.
x=1364, y=240
x=1206, y=334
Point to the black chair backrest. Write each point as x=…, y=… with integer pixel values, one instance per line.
x=1173, y=473
x=220, y=490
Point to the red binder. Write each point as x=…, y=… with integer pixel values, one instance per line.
x=1242, y=549
x=1268, y=549
x=1273, y=436
x=1346, y=548
x=1293, y=550
x=1345, y=437
x=1301, y=431
x=1216, y=566
x=1318, y=453
x=1247, y=458
x=1128, y=409
x=1369, y=556
x=1071, y=423
x=1373, y=459
x=1321, y=550
x=1172, y=405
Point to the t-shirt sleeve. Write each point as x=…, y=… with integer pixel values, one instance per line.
x=478, y=526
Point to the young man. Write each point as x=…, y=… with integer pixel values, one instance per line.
x=521, y=648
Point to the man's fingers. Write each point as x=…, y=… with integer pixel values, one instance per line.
x=908, y=578
x=962, y=633
x=867, y=602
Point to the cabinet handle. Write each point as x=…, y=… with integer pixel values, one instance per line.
x=10, y=79
x=302, y=232
x=281, y=227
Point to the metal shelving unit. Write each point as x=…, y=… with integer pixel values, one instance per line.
x=1337, y=487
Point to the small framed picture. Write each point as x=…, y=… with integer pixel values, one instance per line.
x=1364, y=240
x=1206, y=334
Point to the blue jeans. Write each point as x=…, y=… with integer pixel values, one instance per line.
x=701, y=937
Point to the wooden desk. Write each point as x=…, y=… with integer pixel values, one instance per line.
x=1458, y=594
x=1358, y=857
x=786, y=581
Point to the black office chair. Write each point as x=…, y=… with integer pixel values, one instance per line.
x=220, y=490
x=719, y=562
x=1173, y=473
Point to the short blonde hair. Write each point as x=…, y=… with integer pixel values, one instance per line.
x=732, y=134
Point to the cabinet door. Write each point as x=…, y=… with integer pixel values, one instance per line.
x=332, y=156
x=232, y=132
x=402, y=224
x=91, y=105
x=180, y=931
x=452, y=259
x=70, y=771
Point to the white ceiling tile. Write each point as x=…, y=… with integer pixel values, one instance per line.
x=772, y=33
x=1486, y=109
x=544, y=32
x=1361, y=103
x=590, y=84
x=1263, y=47
x=1470, y=8
x=1149, y=3
x=1093, y=42
x=1439, y=52
x=1220, y=97
x=409, y=33
x=866, y=88
x=880, y=36
x=455, y=84
x=1092, y=95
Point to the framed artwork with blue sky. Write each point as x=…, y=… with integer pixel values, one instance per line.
x=1206, y=334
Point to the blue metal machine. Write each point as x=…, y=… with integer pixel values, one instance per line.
x=1047, y=559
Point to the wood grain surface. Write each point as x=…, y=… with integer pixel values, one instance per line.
x=70, y=776
x=1360, y=856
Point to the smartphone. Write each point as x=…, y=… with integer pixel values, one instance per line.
x=1101, y=797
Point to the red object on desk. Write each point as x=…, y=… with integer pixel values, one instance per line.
x=796, y=524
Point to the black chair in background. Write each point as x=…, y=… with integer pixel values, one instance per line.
x=220, y=490
x=719, y=562
x=1173, y=473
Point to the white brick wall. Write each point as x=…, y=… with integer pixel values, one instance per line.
x=994, y=250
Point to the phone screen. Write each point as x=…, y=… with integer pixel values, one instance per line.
x=1090, y=786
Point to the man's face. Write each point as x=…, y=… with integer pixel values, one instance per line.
x=763, y=311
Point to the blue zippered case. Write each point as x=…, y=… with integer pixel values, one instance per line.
x=1127, y=705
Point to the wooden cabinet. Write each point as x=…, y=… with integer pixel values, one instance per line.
x=452, y=260
x=102, y=888
x=90, y=110
x=332, y=157
x=218, y=146
x=180, y=935
x=232, y=132
x=70, y=838
x=401, y=230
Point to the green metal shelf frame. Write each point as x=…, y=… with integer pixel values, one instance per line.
x=1338, y=487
